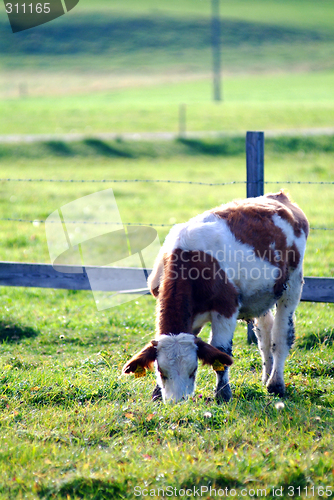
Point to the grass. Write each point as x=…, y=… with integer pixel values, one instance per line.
x=297, y=12
x=94, y=434
x=71, y=425
x=255, y=102
x=139, y=38
x=87, y=74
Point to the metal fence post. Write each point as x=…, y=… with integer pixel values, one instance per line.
x=255, y=184
x=216, y=55
x=255, y=163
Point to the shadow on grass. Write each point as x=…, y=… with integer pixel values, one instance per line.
x=59, y=148
x=103, y=149
x=308, y=144
x=101, y=33
x=10, y=332
x=224, y=147
x=215, y=481
x=82, y=487
x=96, y=489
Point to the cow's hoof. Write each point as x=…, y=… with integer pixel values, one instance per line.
x=156, y=394
x=277, y=388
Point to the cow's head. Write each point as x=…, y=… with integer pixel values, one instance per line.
x=176, y=358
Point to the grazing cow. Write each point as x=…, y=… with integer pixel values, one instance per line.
x=233, y=262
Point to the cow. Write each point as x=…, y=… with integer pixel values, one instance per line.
x=236, y=261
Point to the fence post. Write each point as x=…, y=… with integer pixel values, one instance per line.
x=255, y=163
x=216, y=56
x=182, y=120
x=255, y=184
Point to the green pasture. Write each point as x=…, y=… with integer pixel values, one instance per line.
x=128, y=67
x=259, y=102
x=297, y=12
x=174, y=38
x=71, y=425
x=302, y=13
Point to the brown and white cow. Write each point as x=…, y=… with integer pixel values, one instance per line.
x=233, y=262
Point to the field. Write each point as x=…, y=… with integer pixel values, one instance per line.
x=94, y=433
x=71, y=426
x=128, y=68
x=260, y=102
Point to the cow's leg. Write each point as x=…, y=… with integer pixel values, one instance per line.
x=262, y=329
x=221, y=337
x=282, y=333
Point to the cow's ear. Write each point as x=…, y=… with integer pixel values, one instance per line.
x=142, y=360
x=210, y=355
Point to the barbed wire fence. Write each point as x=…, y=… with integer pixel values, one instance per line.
x=76, y=278
x=162, y=181
x=167, y=181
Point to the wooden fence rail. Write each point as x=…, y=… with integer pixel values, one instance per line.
x=117, y=279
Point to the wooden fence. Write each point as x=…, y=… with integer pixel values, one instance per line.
x=129, y=280
x=117, y=279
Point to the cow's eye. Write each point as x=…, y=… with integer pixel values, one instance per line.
x=192, y=375
x=163, y=376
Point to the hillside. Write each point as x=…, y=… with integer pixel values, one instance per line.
x=178, y=37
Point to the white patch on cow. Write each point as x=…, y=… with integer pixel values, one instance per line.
x=286, y=228
x=301, y=245
x=200, y=320
x=176, y=365
x=212, y=235
x=221, y=329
